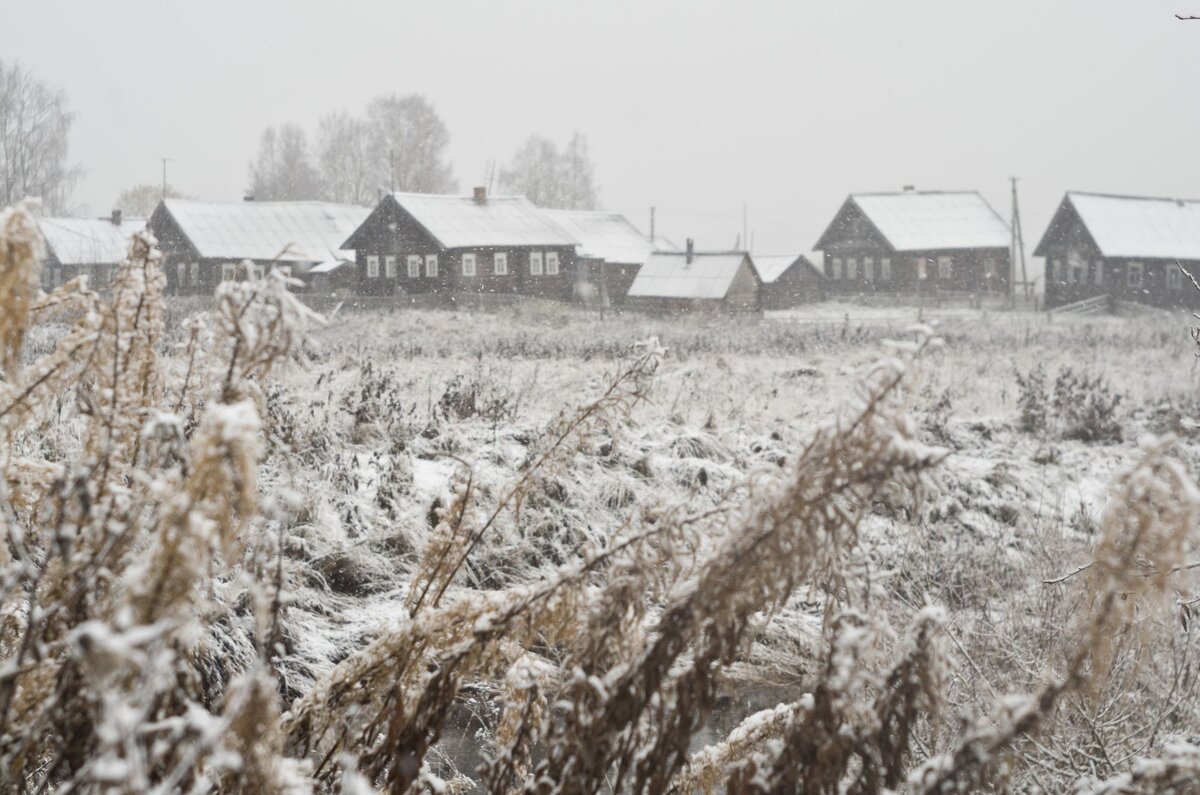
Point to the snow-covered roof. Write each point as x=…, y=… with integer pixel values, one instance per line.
x=89, y=241
x=933, y=220
x=1133, y=226
x=602, y=235
x=670, y=275
x=463, y=222
x=771, y=266
x=338, y=259
x=285, y=231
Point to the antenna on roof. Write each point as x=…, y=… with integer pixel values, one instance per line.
x=164, y=182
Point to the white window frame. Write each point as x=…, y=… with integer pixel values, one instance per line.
x=389, y=266
x=180, y=274
x=885, y=269
x=1098, y=272
x=1135, y=273
x=56, y=276
x=551, y=263
x=468, y=265
x=228, y=271
x=869, y=269
x=945, y=267
x=431, y=265
x=500, y=263
x=922, y=268
x=835, y=270
x=851, y=268
x=194, y=277
x=259, y=271
x=372, y=266
x=414, y=266
x=535, y=263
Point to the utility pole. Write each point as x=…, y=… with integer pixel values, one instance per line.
x=653, y=239
x=1018, y=240
x=392, y=165
x=164, y=178
x=745, y=238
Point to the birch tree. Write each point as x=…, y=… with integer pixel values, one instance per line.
x=284, y=170
x=34, y=127
x=548, y=177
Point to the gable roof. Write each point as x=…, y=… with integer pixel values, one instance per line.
x=602, y=235
x=305, y=231
x=1135, y=226
x=463, y=222
x=89, y=241
x=771, y=266
x=669, y=275
x=929, y=220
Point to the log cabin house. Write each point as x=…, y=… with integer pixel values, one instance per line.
x=205, y=243
x=85, y=246
x=788, y=280
x=610, y=253
x=683, y=281
x=916, y=242
x=414, y=243
x=1129, y=248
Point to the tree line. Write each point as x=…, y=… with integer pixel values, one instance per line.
x=398, y=142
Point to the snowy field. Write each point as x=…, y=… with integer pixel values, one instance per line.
x=393, y=404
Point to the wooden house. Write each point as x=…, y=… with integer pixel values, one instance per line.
x=415, y=243
x=916, y=242
x=205, y=243
x=85, y=246
x=1129, y=248
x=788, y=280
x=610, y=253
x=682, y=281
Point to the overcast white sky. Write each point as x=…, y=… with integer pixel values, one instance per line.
x=692, y=106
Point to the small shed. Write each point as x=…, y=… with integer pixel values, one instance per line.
x=1129, y=248
x=788, y=280
x=610, y=253
x=86, y=246
x=672, y=281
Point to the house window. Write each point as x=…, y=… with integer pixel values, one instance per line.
x=389, y=266
x=869, y=269
x=468, y=265
x=535, y=263
x=1174, y=277
x=372, y=267
x=1098, y=271
x=195, y=267
x=552, y=263
x=414, y=266
x=922, y=269
x=180, y=275
x=885, y=269
x=228, y=271
x=431, y=265
x=835, y=271
x=1134, y=274
x=945, y=267
x=851, y=268
x=259, y=271
x=500, y=263
x=55, y=277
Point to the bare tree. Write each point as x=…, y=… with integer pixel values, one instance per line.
x=407, y=145
x=284, y=169
x=140, y=200
x=344, y=158
x=550, y=178
x=34, y=127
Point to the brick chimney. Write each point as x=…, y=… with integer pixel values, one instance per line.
x=909, y=188
x=481, y=195
x=116, y=217
x=691, y=250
